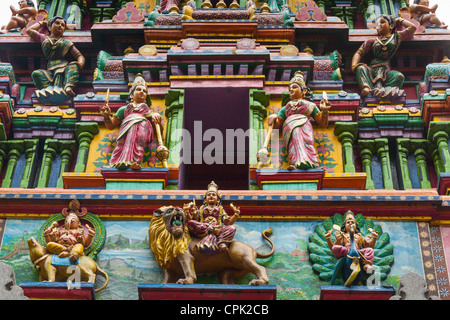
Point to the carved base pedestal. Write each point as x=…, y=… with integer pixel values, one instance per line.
x=355, y=293
x=283, y=179
x=58, y=291
x=143, y=179
x=206, y=292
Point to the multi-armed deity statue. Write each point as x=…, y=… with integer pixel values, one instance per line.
x=136, y=132
x=56, y=84
x=192, y=241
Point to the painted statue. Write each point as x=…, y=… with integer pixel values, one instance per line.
x=70, y=240
x=294, y=118
x=136, y=132
x=85, y=268
x=57, y=83
x=350, y=248
x=211, y=223
x=68, y=244
x=426, y=15
x=377, y=77
x=348, y=237
x=167, y=4
x=177, y=253
x=20, y=17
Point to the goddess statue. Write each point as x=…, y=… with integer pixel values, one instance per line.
x=294, y=118
x=136, y=132
x=211, y=222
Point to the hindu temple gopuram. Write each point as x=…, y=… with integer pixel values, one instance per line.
x=232, y=149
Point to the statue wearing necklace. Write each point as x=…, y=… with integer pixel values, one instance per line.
x=376, y=77
x=57, y=83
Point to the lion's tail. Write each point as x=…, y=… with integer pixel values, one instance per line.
x=103, y=274
x=266, y=234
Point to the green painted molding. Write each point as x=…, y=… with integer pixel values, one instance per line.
x=50, y=150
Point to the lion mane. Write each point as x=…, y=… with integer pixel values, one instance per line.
x=164, y=245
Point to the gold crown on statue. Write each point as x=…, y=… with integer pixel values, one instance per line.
x=213, y=187
x=139, y=80
x=349, y=215
x=298, y=78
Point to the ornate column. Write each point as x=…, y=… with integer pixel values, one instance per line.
x=259, y=100
x=67, y=149
x=15, y=150
x=174, y=112
x=438, y=166
x=403, y=147
x=438, y=133
x=50, y=148
x=30, y=153
x=365, y=152
x=346, y=133
x=85, y=132
x=383, y=155
x=422, y=171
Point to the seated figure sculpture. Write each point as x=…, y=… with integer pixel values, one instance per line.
x=69, y=240
x=426, y=15
x=211, y=222
x=365, y=245
x=57, y=83
x=376, y=77
x=20, y=17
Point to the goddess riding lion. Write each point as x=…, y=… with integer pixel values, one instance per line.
x=177, y=254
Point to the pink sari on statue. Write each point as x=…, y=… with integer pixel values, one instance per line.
x=135, y=134
x=298, y=133
x=211, y=218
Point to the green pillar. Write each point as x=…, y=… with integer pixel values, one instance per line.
x=16, y=148
x=383, y=155
x=259, y=100
x=50, y=148
x=85, y=132
x=422, y=171
x=366, y=159
x=30, y=154
x=346, y=133
x=438, y=132
x=403, y=147
x=438, y=166
x=67, y=149
x=174, y=112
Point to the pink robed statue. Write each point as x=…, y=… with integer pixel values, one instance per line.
x=136, y=131
x=294, y=119
x=211, y=223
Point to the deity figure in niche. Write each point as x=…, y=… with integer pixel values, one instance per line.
x=211, y=222
x=376, y=77
x=426, y=15
x=365, y=245
x=20, y=17
x=68, y=241
x=136, y=132
x=294, y=119
x=57, y=83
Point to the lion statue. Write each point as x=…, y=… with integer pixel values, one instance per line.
x=177, y=254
